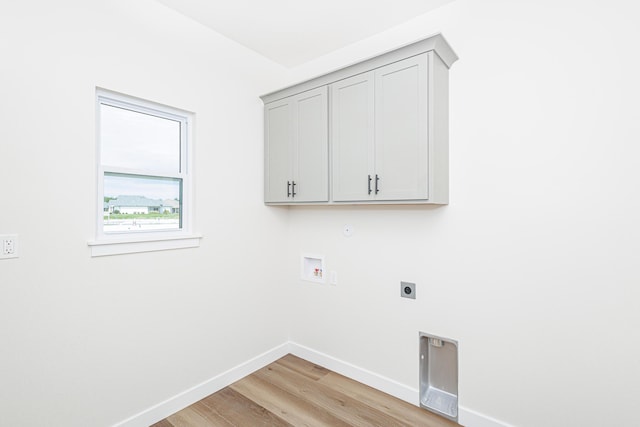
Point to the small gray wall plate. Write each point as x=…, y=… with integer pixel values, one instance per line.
x=408, y=290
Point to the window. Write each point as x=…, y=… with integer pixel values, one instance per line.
x=144, y=196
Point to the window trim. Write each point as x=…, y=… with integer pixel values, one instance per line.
x=145, y=240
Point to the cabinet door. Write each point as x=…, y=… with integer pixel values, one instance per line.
x=278, y=146
x=401, y=129
x=311, y=146
x=352, y=139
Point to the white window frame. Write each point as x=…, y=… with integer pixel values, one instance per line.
x=144, y=241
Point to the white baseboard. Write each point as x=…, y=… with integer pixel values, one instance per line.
x=202, y=390
x=470, y=418
x=364, y=376
x=467, y=417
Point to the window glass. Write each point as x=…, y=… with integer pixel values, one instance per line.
x=136, y=140
x=141, y=203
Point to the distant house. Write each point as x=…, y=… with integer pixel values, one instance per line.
x=170, y=206
x=134, y=205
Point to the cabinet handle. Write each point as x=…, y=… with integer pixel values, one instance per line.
x=369, y=184
x=288, y=189
x=377, y=179
x=293, y=189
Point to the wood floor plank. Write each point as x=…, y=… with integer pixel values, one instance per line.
x=213, y=417
x=303, y=367
x=240, y=411
x=295, y=392
x=402, y=411
x=287, y=406
x=344, y=407
x=163, y=423
x=188, y=417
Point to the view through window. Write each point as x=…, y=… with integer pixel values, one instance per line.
x=142, y=166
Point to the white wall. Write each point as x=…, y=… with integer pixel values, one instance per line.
x=533, y=266
x=91, y=341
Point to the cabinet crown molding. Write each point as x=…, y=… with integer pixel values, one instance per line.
x=436, y=43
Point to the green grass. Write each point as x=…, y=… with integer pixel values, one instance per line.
x=143, y=216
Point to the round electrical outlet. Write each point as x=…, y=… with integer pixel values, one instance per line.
x=408, y=290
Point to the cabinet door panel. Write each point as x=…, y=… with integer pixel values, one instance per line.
x=278, y=136
x=401, y=129
x=352, y=139
x=311, y=146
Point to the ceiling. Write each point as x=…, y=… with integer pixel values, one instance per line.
x=292, y=32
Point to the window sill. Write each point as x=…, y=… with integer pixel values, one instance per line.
x=131, y=246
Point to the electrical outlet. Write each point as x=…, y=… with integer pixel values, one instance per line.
x=9, y=246
x=408, y=290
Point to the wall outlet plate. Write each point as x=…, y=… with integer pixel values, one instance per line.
x=8, y=246
x=408, y=290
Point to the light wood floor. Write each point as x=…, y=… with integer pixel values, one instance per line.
x=294, y=392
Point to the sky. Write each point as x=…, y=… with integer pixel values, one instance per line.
x=146, y=143
x=134, y=140
x=152, y=188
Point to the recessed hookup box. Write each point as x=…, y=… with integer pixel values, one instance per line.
x=439, y=375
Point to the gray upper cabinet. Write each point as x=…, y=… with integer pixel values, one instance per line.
x=278, y=143
x=388, y=131
x=296, y=148
x=379, y=134
x=401, y=139
x=352, y=138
